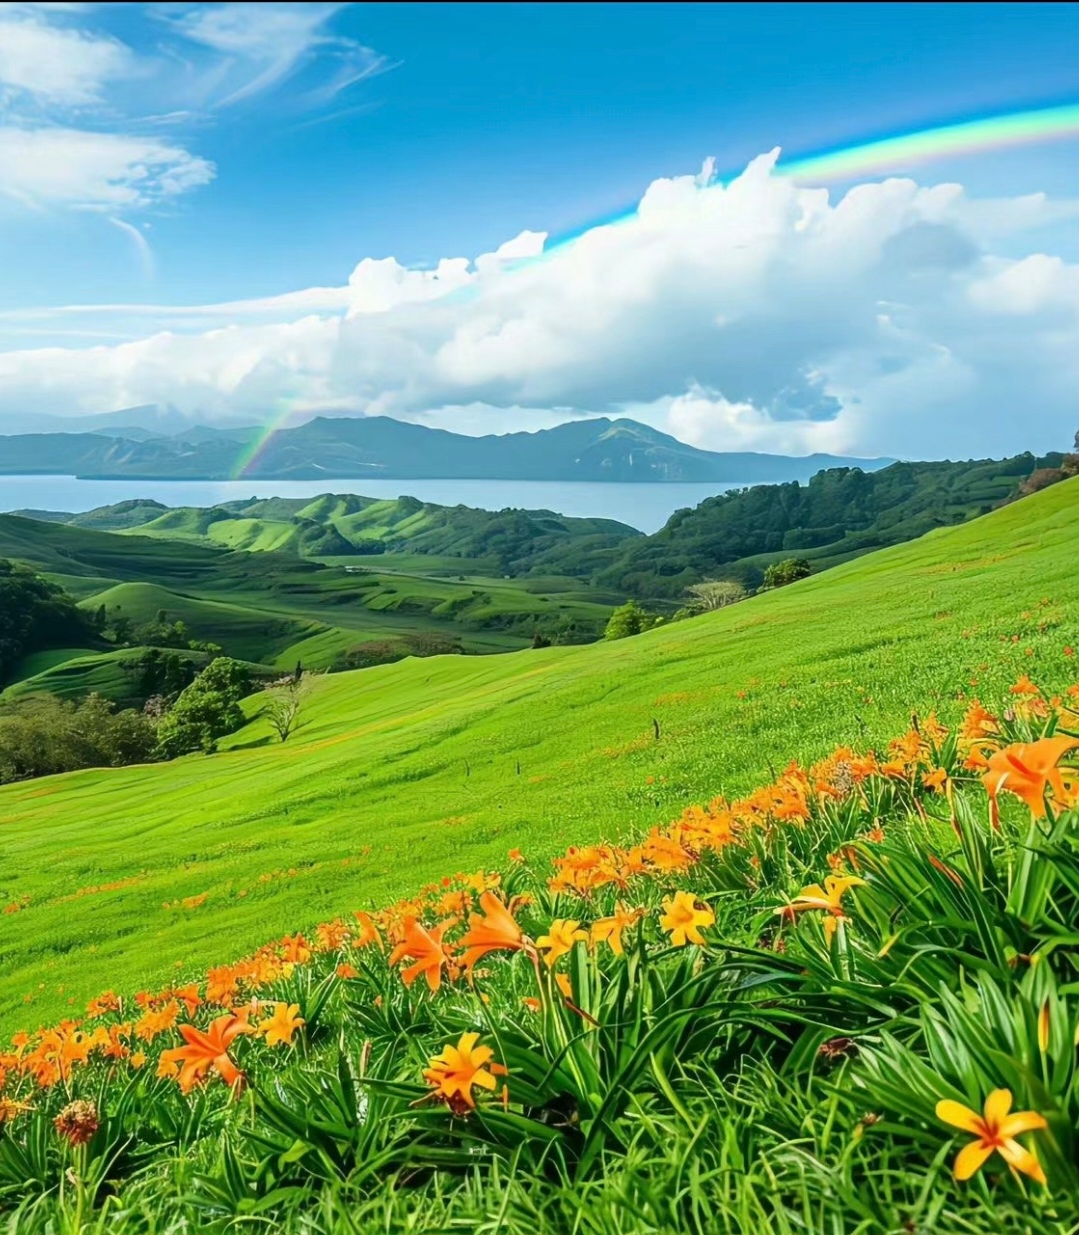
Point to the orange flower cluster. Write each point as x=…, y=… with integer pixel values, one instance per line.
x=422, y=935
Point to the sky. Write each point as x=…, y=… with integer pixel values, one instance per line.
x=499, y=217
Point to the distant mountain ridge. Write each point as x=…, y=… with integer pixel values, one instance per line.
x=378, y=447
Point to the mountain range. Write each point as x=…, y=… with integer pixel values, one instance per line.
x=378, y=447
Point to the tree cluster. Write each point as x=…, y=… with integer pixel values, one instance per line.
x=42, y=735
x=35, y=615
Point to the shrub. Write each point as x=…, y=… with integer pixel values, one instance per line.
x=779, y=574
x=206, y=710
x=630, y=619
x=42, y=735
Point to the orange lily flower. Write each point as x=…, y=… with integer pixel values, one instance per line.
x=1029, y=771
x=282, y=1024
x=995, y=1130
x=458, y=1068
x=205, y=1049
x=108, y=1001
x=425, y=947
x=829, y=899
x=368, y=931
x=561, y=935
x=682, y=918
x=495, y=930
x=610, y=929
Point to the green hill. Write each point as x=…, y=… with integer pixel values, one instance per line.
x=839, y=514
x=287, y=607
x=402, y=773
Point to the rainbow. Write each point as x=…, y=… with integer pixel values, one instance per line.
x=1022, y=128
x=868, y=158
x=255, y=449
x=893, y=154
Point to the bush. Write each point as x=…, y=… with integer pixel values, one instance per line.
x=630, y=619
x=206, y=710
x=779, y=574
x=41, y=736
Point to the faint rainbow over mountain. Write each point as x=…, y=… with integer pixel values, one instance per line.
x=254, y=450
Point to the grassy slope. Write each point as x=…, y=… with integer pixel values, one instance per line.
x=112, y=674
x=406, y=772
x=282, y=610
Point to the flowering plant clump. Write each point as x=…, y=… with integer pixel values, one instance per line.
x=886, y=935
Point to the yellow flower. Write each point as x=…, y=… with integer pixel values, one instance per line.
x=829, y=899
x=282, y=1025
x=995, y=1130
x=561, y=935
x=610, y=929
x=454, y=1072
x=683, y=916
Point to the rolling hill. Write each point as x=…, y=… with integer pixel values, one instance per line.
x=401, y=773
x=287, y=608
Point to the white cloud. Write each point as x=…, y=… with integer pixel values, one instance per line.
x=55, y=64
x=97, y=171
x=757, y=315
x=78, y=107
x=266, y=43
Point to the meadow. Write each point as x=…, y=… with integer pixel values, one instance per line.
x=840, y=1001
x=125, y=878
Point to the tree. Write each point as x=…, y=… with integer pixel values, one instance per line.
x=35, y=615
x=41, y=735
x=630, y=619
x=779, y=574
x=206, y=710
x=714, y=594
x=284, y=702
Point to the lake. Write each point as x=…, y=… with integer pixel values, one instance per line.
x=643, y=506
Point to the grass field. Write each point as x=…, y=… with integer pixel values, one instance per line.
x=403, y=773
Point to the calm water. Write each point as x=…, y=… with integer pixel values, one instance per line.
x=644, y=506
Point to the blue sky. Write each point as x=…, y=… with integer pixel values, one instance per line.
x=285, y=144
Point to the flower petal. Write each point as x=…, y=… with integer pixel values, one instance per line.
x=970, y=1159
x=1022, y=1160
x=997, y=1106
x=960, y=1116
x=1022, y=1121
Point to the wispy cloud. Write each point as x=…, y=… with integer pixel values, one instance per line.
x=264, y=45
x=81, y=111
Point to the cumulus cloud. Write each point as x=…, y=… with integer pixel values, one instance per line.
x=760, y=314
